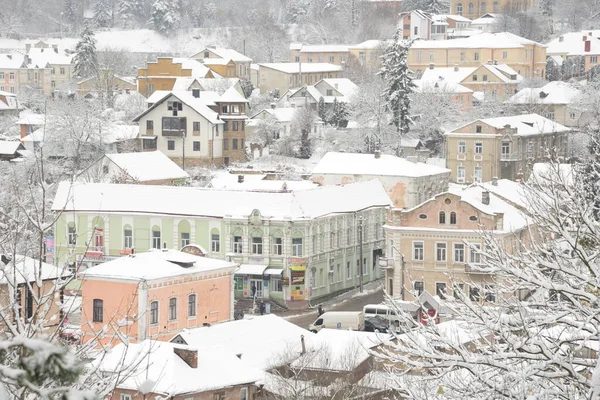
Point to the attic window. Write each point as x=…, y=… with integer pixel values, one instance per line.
x=478, y=128
x=543, y=95
x=174, y=105
x=447, y=201
x=473, y=218
x=422, y=216
x=529, y=123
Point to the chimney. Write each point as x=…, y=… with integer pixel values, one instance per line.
x=377, y=154
x=490, y=62
x=9, y=56
x=590, y=34
x=561, y=38
x=431, y=65
x=240, y=178
x=303, y=345
x=55, y=49
x=42, y=50
x=27, y=47
x=485, y=197
x=588, y=46
x=190, y=356
x=494, y=181
x=455, y=67
x=273, y=105
x=584, y=38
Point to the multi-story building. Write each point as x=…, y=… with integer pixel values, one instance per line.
x=336, y=54
x=418, y=24
x=368, y=53
x=407, y=183
x=160, y=292
x=434, y=247
x=493, y=81
x=577, y=44
x=292, y=246
x=457, y=93
x=502, y=147
x=228, y=58
x=284, y=76
x=196, y=127
x=162, y=73
x=476, y=8
x=525, y=56
x=60, y=64
x=340, y=90
x=555, y=101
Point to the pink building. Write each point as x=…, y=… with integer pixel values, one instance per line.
x=154, y=295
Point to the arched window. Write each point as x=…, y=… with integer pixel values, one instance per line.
x=154, y=313
x=496, y=7
x=215, y=240
x=98, y=311
x=127, y=237
x=483, y=7
x=156, y=237
x=452, y=218
x=72, y=234
x=459, y=9
x=442, y=217
x=192, y=305
x=471, y=8
x=98, y=239
x=184, y=233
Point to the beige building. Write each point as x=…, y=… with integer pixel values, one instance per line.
x=476, y=8
x=231, y=64
x=577, y=44
x=336, y=54
x=502, y=147
x=525, y=56
x=368, y=53
x=434, y=247
x=555, y=101
x=283, y=76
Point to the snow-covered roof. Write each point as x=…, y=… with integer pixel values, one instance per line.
x=198, y=104
x=459, y=74
x=228, y=54
x=154, y=367
x=147, y=166
x=526, y=124
x=370, y=44
x=294, y=68
x=116, y=133
x=282, y=114
x=156, y=264
x=572, y=43
x=344, y=85
x=231, y=95
x=487, y=19
x=324, y=48
x=10, y=147
x=200, y=202
x=256, y=182
x=26, y=269
x=558, y=60
x=545, y=173
x=368, y=164
x=261, y=341
x=11, y=61
x=216, y=61
x=27, y=117
x=198, y=69
x=502, y=40
x=440, y=87
x=42, y=57
x=457, y=18
x=556, y=92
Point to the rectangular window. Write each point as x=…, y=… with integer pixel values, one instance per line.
x=460, y=176
x=257, y=244
x=485, y=78
x=431, y=56
x=476, y=56
x=1, y=75
x=98, y=310
x=12, y=89
x=297, y=249
x=192, y=305
x=348, y=274
x=462, y=147
x=478, y=148
x=215, y=243
x=124, y=396
x=196, y=146
x=62, y=71
x=474, y=294
x=196, y=126
x=234, y=144
x=440, y=252
x=72, y=239
x=490, y=294
x=149, y=125
x=154, y=313
x=156, y=239
x=477, y=174
x=478, y=129
x=593, y=59
x=505, y=148
x=440, y=289
x=419, y=56
x=418, y=287
x=170, y=145
x=504, y=55
x=278, y=246
x=418, y=251
x=475, y=256
x=572, y=116
x=11, y=76
x=235, y=125
x=225, y=144
x=127, y=238
x=244, y=394
x=462, y=56
x=185, y=238
x=331, y=59
x=172, y=309
x=349, y=236
x=237, y=244
x=459, y=253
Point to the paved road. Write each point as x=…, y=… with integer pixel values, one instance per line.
x=355, y=303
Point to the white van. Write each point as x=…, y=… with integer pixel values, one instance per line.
x=382, y=311
x=347, y=320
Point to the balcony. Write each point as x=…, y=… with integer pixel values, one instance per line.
x=471, y=268
x=386, y=263
x=514, y=156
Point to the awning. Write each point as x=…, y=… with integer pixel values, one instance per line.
x=298, y=268
x=250, y=269
x=148, y=137
x=273, y=271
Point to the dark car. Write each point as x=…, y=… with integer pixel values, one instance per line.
x=376, y=324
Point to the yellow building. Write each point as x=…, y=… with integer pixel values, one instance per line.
x=368, y=53
x=283, y=76
x=503, y=147
x=336, y=54
x=525, y=56
x=118, y=84
x=162, y=73
x=228, y=57
x=476, y=8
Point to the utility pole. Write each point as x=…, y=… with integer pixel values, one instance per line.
x=360, y=243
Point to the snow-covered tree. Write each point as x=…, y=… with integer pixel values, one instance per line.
x=553, y=71
x=165, y=15
x=130, y=11
x=435, y=7
x=85, y=60
x=102, y=13
x=399, y=84
x=71, y=13
x=573, y=67
x=321, y=109
x=265, y=132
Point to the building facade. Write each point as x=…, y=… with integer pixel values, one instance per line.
x=233, y=63
x=335, y=54
x=476, y=8
x=162, y=74
x=503, y=147
x=283, y=76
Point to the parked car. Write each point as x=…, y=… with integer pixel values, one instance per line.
x=376, y=324
x=352, y=320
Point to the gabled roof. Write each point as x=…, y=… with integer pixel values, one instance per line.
x=370, y=44
x=458, y=75
x=225, y=53
x=9, y=148
x=440, y=87
x=48, y=56
x=199, y=202
x=198, y=69
x=147, y=166
x=343, y=85
x=368, y=164
x=556, y=92
x=117, y=133
x=26, y=269
x=526, y=125
x=572, y=43
x=324, y=48
x=281, y=114
x=294, y=68
x=231, y=95
x=502, y=40
x=486, y=19
x=197, y=104
x=154, y=367
x=12, y=60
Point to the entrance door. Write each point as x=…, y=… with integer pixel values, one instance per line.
x=258, y=283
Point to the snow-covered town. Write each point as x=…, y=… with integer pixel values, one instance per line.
x=299, y=199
